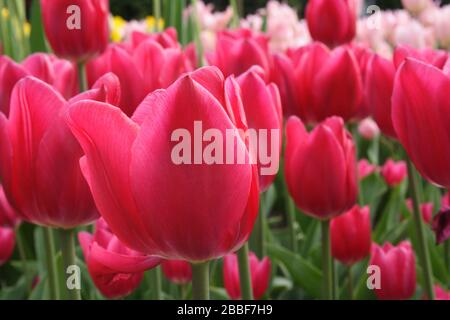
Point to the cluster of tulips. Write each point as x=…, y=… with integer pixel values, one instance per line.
x=86, y=157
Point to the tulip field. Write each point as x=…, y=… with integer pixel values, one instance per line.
x=295, y=151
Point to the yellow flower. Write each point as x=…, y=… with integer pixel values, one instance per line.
x=118, y=23
x=151, y=23
x=27, y=29
x=5, y=13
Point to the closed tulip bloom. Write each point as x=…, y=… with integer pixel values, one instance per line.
x=332, y=22
x=322, y=189
x=237, y=51
x=440, y=293
x=7, y=243
x=76, y=29
x=283, y=76
x=153, y=195
x=262, y=108
x=59, y=73
x=419, y=113
x=177, y=271
x=40, y=157
x=394, y=172
x=351, y=235
x=321, y=93
x=115, y=269
x=365, y=168
x=368, y=129
x=259, y=274
x=426, y=210
x=398, y=270
x=378, y=90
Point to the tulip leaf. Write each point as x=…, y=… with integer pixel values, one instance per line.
x=304, y=274
x=37, y=37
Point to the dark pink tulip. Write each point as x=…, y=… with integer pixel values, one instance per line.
x=322, y=189
x=177, y=271
x=262, y=108
x=441, y=225
x=394, y=172
x=321, y=93
x=59, y=73
x=40, y=157
x=420, y=108
x=440, y=293
x=69, y=40
x=115, y=269
x=436, y=58
x=365, y=168
x=283, y=76
x=259, y=272
x=239, y=50
x=398, y=270
x=168, y=39
x=351, y=235
x=378, y=89
x=7, y=243
x=332, y=22
x=156, y=199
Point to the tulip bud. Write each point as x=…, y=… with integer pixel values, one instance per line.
x=441, y=294
x=322, y=189
x=332, y=22
x=365, y=168
x=368, y=129
x=259, y=274
x=115, y=269
x=351, y=235
x=76, y=29
x=426, y=210
x=394, y=172
x=397, y=265
x=177, y=271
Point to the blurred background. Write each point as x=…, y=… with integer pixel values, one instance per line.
x=140, y=8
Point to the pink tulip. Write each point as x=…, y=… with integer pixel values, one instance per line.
x=398, y=270
x=259, y=273
x=322, y=189
x=321, y=93
x=394, y=172
x=419, y=112
x=156, y=199
x=115, y=269
x=426, y=210
x=368, y=129
x=332, y=22
x=7, y=241
x=40, y=157
x=441, y=294
x=365, y=168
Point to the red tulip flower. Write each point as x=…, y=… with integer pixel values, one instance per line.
x=7, y=241
x=262, y=108
x=332, y=22
x=394, y=172
x=322, y=189
x=155, y=196
x=419, y=111
x=398, y=270
x=177, y=271
x=237, y=51
x=40, y=157
x=283, y=76
x=351, y=235
x=115, y=269
x=321, y=93
x=76, y=29
x=259, y=273
x=437, y=58
x=59, y=73
x=8, y=215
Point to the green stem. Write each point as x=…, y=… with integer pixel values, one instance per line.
x=67, y=238
x=447, y=258
x=236, y=16
x=23, y=258
x=82, y=77
x=258, y=230
x=422, y=249
x=327, y=261
x=157, y=13
x=292, y=223
x=200, y=281
x=51, y=265
x=156, y=283
x=350, y=282
x=244, y=273
x=197, y=32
